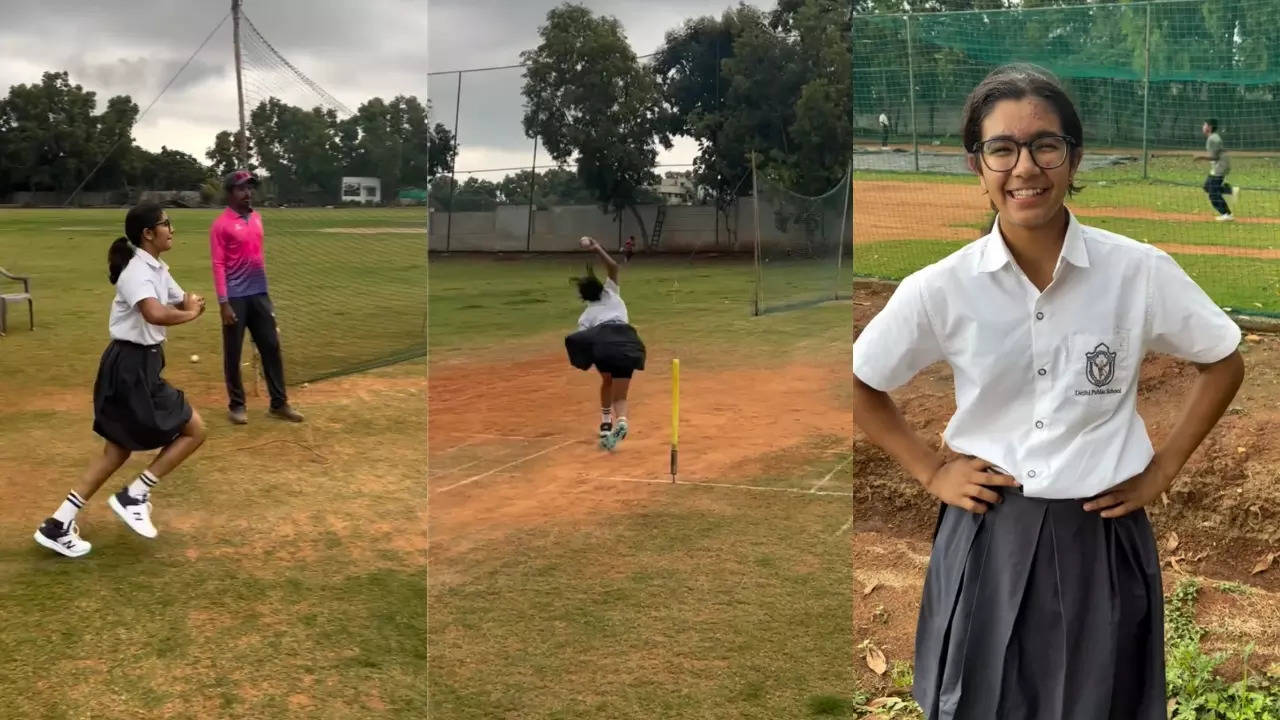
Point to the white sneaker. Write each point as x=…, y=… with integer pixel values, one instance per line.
x=136, y=514
x=1228, y=217
x=62, y=539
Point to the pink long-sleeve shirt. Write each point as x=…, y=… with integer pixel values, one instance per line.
x=235, y=246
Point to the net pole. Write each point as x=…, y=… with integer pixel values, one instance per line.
x=716, y=139
x=235, y=36
x=844, y=215
x=533, y=177
x=453, y=164
x=911, y=94
x=757, y=300
x=1146, y=94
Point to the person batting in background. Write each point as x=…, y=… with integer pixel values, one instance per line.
x=884, y=129
x=1216, y=183
x=240, y=281
x=134, y=408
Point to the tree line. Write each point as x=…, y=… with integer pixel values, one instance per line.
x=53, y=139
x=770, y=85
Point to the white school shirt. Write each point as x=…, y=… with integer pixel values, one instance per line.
x=609, y=308
x=144, y=277
x=1046, y=384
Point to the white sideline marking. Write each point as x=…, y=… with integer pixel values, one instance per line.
x=473, y=478
x=843, y=528
x=463, y=466
x=824, y=480
x=511, y=437
x=727, y=485
x=459, y=446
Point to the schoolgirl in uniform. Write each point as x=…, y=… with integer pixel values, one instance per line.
x=606, y=339
x=1042, y=600
x=134, y=408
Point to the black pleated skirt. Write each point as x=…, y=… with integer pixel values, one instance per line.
x=611, y=346
x=133, y=406
x=1039, y=610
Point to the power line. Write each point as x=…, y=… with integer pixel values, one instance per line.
x=143, y=114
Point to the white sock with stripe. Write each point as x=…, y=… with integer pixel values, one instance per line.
x=606, y=415
x=66, y=512
x=141, y=487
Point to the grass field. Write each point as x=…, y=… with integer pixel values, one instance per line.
x=1238, y=263
x=349, y=285
x=288, y=577
x=570, y=583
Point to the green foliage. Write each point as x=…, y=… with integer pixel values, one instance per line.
x=889, y=708
x=225, y=153
x=552, y=187
x=1191, y=677
x=51, y=138
x=591, y=101
x=902, y=674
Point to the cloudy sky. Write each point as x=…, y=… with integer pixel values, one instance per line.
x=353, y=50
x=487, y=33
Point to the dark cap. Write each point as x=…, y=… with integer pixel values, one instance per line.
x=236, y=178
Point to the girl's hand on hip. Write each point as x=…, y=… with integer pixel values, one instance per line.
x=1133, y=494
x=967, y=484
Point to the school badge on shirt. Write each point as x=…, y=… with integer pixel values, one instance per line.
x=1100, y=365
x=1100, y=370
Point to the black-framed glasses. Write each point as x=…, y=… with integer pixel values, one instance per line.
x=167, y=222
x=1002, y=154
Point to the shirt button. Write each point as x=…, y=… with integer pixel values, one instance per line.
x=1039, y=316
x=1031, y=473
x=1042, y=371
x=1039, y=424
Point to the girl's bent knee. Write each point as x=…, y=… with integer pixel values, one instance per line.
x=195, y=428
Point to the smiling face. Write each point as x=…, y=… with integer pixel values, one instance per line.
x=1026, y=195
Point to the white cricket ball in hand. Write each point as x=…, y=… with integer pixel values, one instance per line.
x=585, y=242
x=195, y=358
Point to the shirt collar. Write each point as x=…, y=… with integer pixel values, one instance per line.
x=152, y=262
x=995, y=253
x=246, y=216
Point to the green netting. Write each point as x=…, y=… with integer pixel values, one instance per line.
x=800, y=245
x=1144, y=77
x=346, y=262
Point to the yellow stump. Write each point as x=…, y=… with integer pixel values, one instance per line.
x=675, y=415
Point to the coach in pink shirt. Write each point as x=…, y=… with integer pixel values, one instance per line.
x=240, y=281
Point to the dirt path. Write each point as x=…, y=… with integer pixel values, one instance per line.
x=723, y=433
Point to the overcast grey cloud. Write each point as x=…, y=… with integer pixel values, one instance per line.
x=373, y=48
x=486, y=33
x=354, y=51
